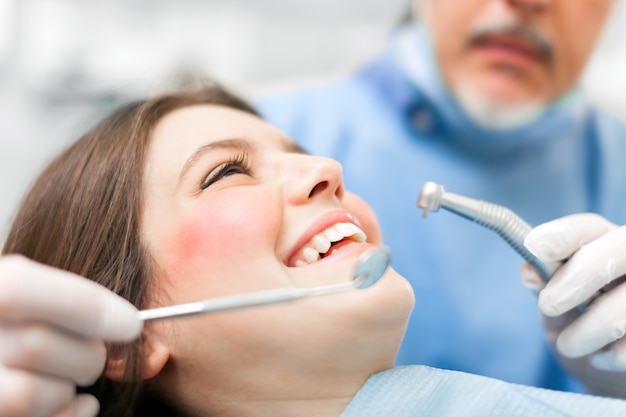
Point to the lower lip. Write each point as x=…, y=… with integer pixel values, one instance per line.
x=506, y=56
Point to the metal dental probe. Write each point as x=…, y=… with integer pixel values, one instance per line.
x=371, y=265
x=498, y=218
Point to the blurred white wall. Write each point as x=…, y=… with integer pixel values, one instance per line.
x=64, y=62
x=604, y=80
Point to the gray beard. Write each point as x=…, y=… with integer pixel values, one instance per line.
x=492, y=114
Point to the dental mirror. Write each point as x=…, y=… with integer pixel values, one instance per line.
x=371, y=265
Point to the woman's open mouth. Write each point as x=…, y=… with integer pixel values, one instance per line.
x=327, y=242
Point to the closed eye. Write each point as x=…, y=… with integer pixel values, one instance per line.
x=237, y=165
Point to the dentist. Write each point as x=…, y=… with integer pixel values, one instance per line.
x=480, y=95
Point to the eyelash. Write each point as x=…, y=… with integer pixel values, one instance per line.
x=236, y=165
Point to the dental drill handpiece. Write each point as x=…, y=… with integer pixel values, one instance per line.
x=497, y=218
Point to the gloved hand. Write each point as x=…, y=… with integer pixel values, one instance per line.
x=52, y=328
x=590, y=344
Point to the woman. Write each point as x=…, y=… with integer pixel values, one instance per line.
x=190, y=196
x=168, y=195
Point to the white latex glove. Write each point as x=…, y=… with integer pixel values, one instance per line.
x=596, y=250
x=53, y=325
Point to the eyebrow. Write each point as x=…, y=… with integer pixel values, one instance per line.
x=232, y=143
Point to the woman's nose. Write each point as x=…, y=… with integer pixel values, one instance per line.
x=314, y=177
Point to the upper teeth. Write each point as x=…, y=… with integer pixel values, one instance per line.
x=321, y=242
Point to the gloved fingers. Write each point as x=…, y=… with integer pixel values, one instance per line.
x=535, y=282
x=531, y=278
x=613, y=359
x=24, y=394
x=35, y=292
x=591, y=268
x=601, y=324
x=558, y=239
x=45, y=350
x=82, y=405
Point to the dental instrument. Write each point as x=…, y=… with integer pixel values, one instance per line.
x=498, y=218
x=371, y=265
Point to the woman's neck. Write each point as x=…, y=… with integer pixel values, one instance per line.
x=294, y=407
x=270, y=393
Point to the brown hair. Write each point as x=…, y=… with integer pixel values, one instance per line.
x=83, y=215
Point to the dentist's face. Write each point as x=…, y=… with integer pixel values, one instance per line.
x=233, y=206
x=514, y=51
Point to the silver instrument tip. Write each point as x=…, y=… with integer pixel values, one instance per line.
x=429, y=198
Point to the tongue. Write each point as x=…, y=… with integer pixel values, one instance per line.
x=338, y=246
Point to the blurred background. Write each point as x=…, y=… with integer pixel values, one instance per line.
x=65, y=63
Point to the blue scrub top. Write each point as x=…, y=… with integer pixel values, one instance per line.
x=394, y=126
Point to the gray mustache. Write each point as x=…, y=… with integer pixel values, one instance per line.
x=539, y=42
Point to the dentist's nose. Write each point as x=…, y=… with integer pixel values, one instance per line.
x=529, y=7
x=314, y=177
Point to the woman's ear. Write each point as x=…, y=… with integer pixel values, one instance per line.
x=155, y=356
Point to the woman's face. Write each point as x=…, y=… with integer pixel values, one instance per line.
x=233, y=206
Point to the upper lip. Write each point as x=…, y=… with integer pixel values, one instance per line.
x=322, y=223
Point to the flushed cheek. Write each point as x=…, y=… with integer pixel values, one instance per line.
x=222, y=235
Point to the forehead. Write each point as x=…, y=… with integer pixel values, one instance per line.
x=180, y=133
x=202, y=124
